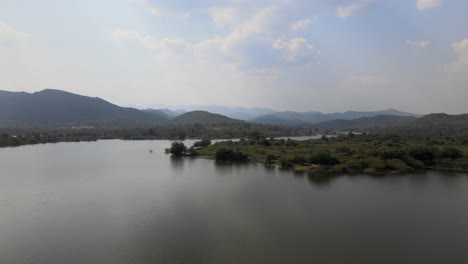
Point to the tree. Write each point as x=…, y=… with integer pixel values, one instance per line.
x=230, y=155
x=270, y=159
x=202, y=144
x=423, y=153
x=178, y=149
x=451, y=153
x=323, y=158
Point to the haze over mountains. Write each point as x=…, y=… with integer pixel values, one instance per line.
x=59, y=109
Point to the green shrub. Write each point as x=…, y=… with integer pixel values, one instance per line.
x=202, y=144
x=376, y=164
x=270, y=159
x=423, y=153
x=451, y=153
x=177, y=149
x=390, y=153
x=299, y=159
x=286, y=162
x=230, y=155
x=398, y=165
x=414, y=163
x=344, y=150
x=356, y=165
x=323, y=158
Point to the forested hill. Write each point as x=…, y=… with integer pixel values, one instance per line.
x=314, y=117
x=55, y=108
x=367, y=122
x=435, y=124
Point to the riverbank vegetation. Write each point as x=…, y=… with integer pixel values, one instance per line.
x=19, y=137
x=376, y=153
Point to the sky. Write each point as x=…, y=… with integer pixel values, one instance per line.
x=323, y=55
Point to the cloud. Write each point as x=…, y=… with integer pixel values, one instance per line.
x=296, y=50
x=166, y=48
x=224, y=16
x=460, y=66
x=419, y=44
x=161, y=11
x=461, y=47
x=353, y=8
x=11, y=38
x=256, y=41
x=300, y=25
x=425, y=4
x=242, y=34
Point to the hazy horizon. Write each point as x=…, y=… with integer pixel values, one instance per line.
x=296, y=55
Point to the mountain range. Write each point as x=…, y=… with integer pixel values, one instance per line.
x=60, y=109
x=312, y=117
x=55, y=108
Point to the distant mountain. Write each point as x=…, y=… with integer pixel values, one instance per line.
x=158, y=113
x=55, y=108
x=443, y=119
x=242, y=113
x=366, y=122
x=349, y=115
x=172, y=113
x=204, y=118
x=300, y=118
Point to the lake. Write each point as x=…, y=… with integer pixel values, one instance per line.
x=114, y=202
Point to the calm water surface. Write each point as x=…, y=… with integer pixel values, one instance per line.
x=114, y=202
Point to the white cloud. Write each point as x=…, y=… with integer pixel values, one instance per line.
x=425, y=4
x=419, y=44
x=255, y=41
x=461, y=47
x=460, y=66
x=296, y=49
x=300, y=25
x=257, y=24
x=160, y=11
x=353, y=8
x=166, y=48
x=11, y=38
x=224, y=16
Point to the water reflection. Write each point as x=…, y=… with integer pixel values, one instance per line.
x=177, y=163
x=229, y=167
x=321, y=179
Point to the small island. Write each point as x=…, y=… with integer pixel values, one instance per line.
x=351, y=153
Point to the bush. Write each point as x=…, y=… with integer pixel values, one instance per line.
x=376, y=164
x=270, y=159
x=345, y=151
x=422, y=153
x=414, y=163
x=299, y=159
x=390, y=153
x=286, y=163
x=230, y=155
x=202, y=144
x=356, y=165
x=398, y=165
x=451, y=153
x=178, y=149
x=323, y=158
